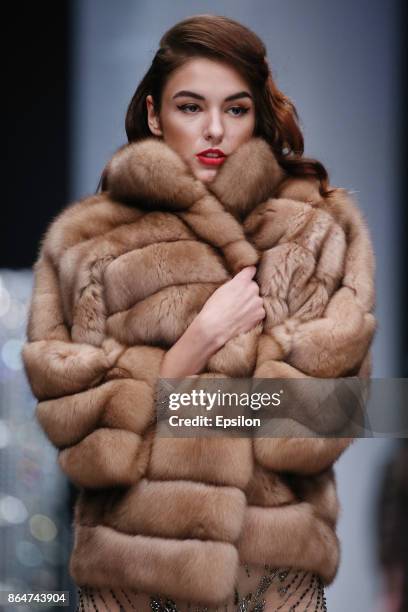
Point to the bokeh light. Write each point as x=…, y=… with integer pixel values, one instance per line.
x=42, y=527
x=12, y=510
x=34, y=522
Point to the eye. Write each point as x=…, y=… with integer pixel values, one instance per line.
x=243, y=110
x=192, y=108
x=184, y=107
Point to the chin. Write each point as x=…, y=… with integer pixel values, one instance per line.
x=206, y=176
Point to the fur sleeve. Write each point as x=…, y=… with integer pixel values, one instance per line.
x=94, y=402
x=334, y=344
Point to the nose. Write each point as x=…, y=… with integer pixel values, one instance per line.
x=214, y=128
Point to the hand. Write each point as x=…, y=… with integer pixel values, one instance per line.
x=233, y=308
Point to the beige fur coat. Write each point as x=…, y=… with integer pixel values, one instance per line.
x=119, y=277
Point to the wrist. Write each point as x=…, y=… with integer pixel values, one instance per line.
x=191, y=352
x=209, y=338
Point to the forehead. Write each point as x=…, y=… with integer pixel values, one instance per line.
x=210, y=78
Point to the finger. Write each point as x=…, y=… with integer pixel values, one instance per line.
x=255, y=287
x=246, y=273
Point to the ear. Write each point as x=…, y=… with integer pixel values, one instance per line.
x=153, y=119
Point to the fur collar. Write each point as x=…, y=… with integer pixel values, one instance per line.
x=151, y=172
x=151, y=175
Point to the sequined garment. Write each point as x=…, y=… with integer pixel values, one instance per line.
x=276, y=590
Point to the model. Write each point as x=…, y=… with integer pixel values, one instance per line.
x=213, y=248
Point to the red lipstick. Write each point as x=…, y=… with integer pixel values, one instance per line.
x=212, y=157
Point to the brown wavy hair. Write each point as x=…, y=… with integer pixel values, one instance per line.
x=223, y=39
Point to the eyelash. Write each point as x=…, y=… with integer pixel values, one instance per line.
x=244, y=109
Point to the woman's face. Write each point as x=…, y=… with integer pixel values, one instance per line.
x=206, y=104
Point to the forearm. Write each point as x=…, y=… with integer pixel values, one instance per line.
x=190, y=353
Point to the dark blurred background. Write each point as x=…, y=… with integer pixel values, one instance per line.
x=37, y=126
x=72, y=68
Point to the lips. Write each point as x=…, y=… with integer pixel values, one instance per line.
x=217, y=152
x=212, y=157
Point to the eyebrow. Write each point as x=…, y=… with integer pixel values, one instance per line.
x=192, y=94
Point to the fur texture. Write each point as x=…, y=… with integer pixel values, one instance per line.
x=119, y=278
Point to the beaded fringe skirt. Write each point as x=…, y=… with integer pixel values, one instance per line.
x=269, y=590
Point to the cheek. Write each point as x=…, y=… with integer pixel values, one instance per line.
x=244, y=132
x=180, y=122
x=250, y=124
x=245, y=125
x=181, y=134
